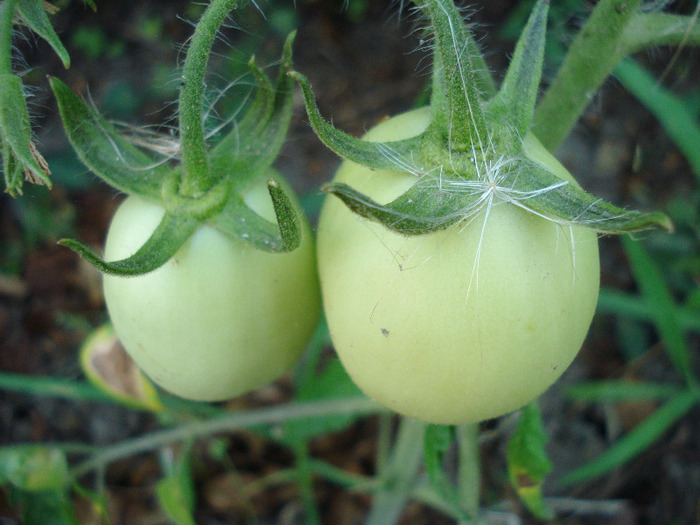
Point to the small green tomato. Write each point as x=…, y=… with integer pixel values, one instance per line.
x=461, y=325
x=221, y=317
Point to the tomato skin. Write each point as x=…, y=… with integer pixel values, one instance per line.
x=221, y=317
x=431, y=332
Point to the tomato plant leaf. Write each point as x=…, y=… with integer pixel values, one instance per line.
x=34, y=468
x=109, y=368
x=33, y=14
x=175, y=491
x=103, y=150
x=16, y=133
x=172, y=232
x=528, y=463
x=436, y=442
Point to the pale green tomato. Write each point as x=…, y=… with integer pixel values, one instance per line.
x=461, y=325
x=221, y=317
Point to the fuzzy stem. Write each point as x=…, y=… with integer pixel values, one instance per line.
x=197, y=178
x=593, y=55
x=7, y=16
x=226, y=423
x=459, y=108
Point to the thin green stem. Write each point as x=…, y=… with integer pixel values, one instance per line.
x=400, y=474
x=226, y=423
x=197, y=178
x=7, y=16
x=305, y=482
x=594, y=53
x=469, y=474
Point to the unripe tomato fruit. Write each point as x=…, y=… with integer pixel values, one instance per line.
x=221, y=317
x=461, y=325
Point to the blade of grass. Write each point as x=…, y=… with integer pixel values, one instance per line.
x=678, y=121
x=663, y=308
x=633, y=307
x=636, y=441
x=614, y=391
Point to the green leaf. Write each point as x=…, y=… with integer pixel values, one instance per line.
x=172, y=232
x=34, y=468
x=438, y=439
x=44, y=508
x=176, y=491
x=107, y=366
x=34, y=15
x=17, y=135
x=103, y=150
x=528, y=464
x=635, y=442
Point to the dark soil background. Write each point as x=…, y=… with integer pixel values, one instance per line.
x=364, y=65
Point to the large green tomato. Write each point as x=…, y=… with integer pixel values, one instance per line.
x=221, y=317
x=461, y=325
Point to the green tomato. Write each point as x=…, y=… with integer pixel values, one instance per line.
x=461, y=325
x=221, y=317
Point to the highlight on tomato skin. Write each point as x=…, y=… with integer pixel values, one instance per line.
x=221, y=317
x=464, y=324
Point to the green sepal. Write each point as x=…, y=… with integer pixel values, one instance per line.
x=34, y=15
x=287, y=219
x=103, y=150
x=424, y=208
x=394, y=156
x=17, y=137
x=515, y=101
x=539, y=191
x=172, y=232
x=433, y=204
x=255, y=142
x=239, y=222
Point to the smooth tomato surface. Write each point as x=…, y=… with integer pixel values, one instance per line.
x=461, y=325
x=220, y=318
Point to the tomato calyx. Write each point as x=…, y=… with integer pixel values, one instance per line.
x=476, y=150
x=240, y=159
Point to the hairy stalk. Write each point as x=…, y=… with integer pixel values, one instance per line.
x=197, y=178
x=593, y=55
x=7, y=15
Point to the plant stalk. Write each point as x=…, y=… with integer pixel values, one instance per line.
x=469, y=473
x=226, y=423
x=593, y=55
x=7, y=16
x=197, y=178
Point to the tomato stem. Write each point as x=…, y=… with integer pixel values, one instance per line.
x=7, y=15
x=456, y=102
x=197, y=177
x=469, y=475
x=593, y=55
